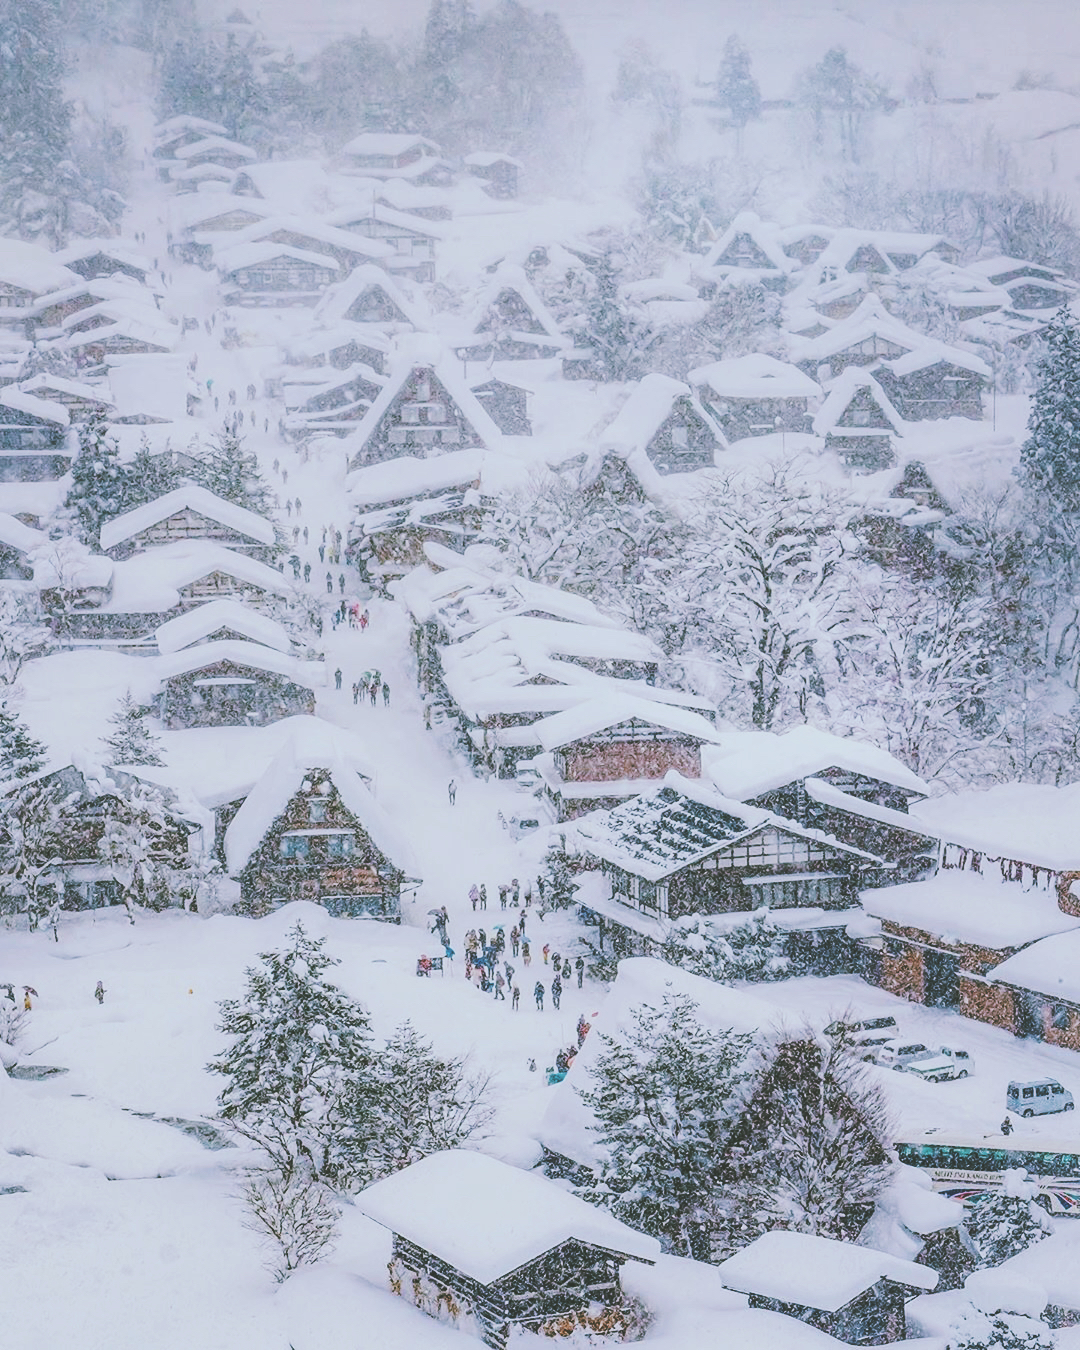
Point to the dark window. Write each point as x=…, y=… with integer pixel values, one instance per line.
x=294, y=846
x=1059, y=1018
x=316, y=812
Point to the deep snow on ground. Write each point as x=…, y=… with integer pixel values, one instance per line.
x=128, y=1233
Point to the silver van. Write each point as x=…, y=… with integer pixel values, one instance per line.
x=1039, y=1097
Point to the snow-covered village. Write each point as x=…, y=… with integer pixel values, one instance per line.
x=540, y=659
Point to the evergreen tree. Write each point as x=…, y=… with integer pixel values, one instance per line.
x=138, y=843
x=149, y=476
x=295, y=1070
x=20, y=754
x=812, y=1147
x=1050, y=457
x=1000, y=1330
x=1003, y=1222
x=750, y=949
x=837, y=93
x=663, y=1097
x=426, y=1103
x=736, y=89
x=132, y=742
x=233, y=473
x=98, y=481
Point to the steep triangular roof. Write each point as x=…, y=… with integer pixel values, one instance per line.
x=187, y=629
x=270, y=796
x=309, y=674
x=190, y=497
x=339, y=299
x=762, y=235
x=871, y=319
x=851, y=381
x=509, y=277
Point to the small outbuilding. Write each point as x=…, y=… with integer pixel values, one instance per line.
x=231, y=684
x=853, y=1293
x=541, y=1258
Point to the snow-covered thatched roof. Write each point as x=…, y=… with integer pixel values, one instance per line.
x=651, y=402
x=401, y=479
x=748, y=764
x=46, y=410
x=308, y=674
x=190, y=497
x=199, y=623
x=594, y=715
x=151, y=581
x=433, y=1204
x=32, y=268
x=851, y=381
x=119, y=250
x=231, y=259
x=42, y=385
x=314, y=231
x=509, y=276
x=390, y=143
x=1029, y=822
x=816, y=1272
x=871, y=319
x=214, y=145
x=151, y=385
x=307, y=748
x=755, y=376
x=339, y=298
x=761, y=233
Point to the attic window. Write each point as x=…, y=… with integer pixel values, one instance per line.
x=680, y=436
x=316, y=812
x=860, y=417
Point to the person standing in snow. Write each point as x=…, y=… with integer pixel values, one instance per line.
x=386, y=694
x=294, y=563
x=538, y=994
x=509, y=969
x=474, y=896
x=288, y=507
x=515, y=893
x=355, y=692
x=526, y=954
x=337, y=678
x=329, y=584
x=515, y=939
x=556, y=992
x=341, y=582
x=579, y=966
x=502, y=897
x=307, y=574
x=483, y=895
x=566, y=970
x=547, y=952
x=373, y=692
x=99, y=992
x=322, y=553
x=515, y=998
x=298, y=508
x=451, y=791
x=500, y=986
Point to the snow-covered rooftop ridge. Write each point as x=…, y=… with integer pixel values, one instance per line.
x=307, y=674
x=32, y=268
x=149, y=384
x=484, y=159
x=215, y=143
x=816, y=1272
x=192, y=210
x=433, y=1204
x=18, y=536
x=870, y=319
x=387, y=143
x=235, y=256
x=818, y=790
x=535, y=640
x=763, y=235
x=424, y=352
x=1050, y=966
x=198, y=623
x=1023, y=821
x=173, y=126
x=121, y=250
x=842, y=390
x=314, y=227
x=1002, y=263
x=190, y=497
x=968, y=907
x=76, y=388
x=651, y=402
x=311, y=744
x=593, y=715
x=400, y=479
x=750, y=763
x=755, y=376
x=48, y=410
x=151, y=581
x=340, y=297
x=511, y=276
x=386, y=215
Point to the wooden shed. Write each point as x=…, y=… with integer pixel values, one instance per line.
x=853, y=1293
x=539, y=1258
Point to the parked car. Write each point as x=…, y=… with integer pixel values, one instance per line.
x=851, y=1030
x=964, y=1063
x=898, y=1054
x=866, y=1047
x=1038, y=1097
x=520, y=826
x=936, y=1068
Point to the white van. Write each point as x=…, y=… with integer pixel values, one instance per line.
x=898, y=1053
x=1039, y=1097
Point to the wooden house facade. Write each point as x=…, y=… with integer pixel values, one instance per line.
x=33, y=437
x=307, y=834
x=498, y=173
x=275, y=275
x=187, y=514
x=859, y=423
x=756, y=395
x=854, y=1294
x=555, y=1268
x=230, y=684
x=417, y=415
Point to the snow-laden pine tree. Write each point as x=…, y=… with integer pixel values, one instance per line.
x=33, y=841
x=811, y=1148
x=425, y=1102
x=98, y=482
x=1050, y=457
x=736, y=89
x=132, y=741
x=138, y=843
x=662, y=1095
x=233, y=473
x=20, y=754
x=1004, y=1221
x=149, y=476
x=295, y=1070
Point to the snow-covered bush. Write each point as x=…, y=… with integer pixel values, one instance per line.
x=751, y=948
x=1003, y=1222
